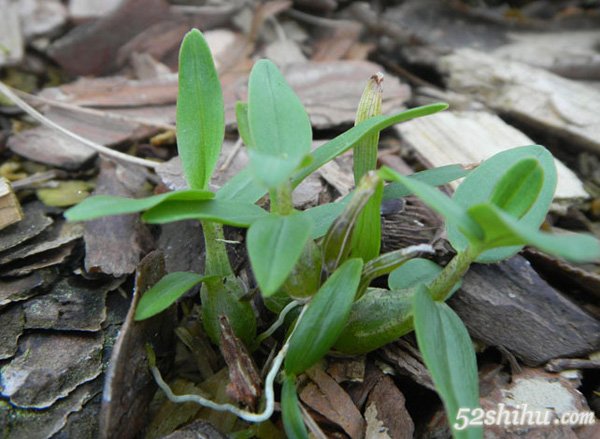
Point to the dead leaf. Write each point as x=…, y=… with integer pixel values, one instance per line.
x=385, y=412
x=326, y=397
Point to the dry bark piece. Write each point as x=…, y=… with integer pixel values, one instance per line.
x=10, y=208
x=245, y=385
x=34, y=223
x=26, y=424
x=59, y=234
x=129, y=387
x=115, y=244
x=10, y=34
x=407, y=361
x=539, y=392
x=183, y=246
x=559, y=106
x=49, y=367
x=328, y=398
x=44, y=145
x=11, y=322
x=347, y=369
x=197, y=430
x=509, y=305
x=41, y=17
x=15, y=290
x=30, y=264
x=472, y=136
x=560, y=364
x=85, y=9
x=72, y=304
x=572, y=54
x=385, y=413
x=86, y=50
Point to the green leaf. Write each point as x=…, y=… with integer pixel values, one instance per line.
x=227, y=298
x=366, y=236
x=106, y=205
x=365, y=152
x=241, y=115
x=165, y=292
x=271, y=171
x=379, y=317
x=501, y=229
x=433, y=177
x=241, y=187
x=225, y=212
x=479, y=187
x=279, y=124
x=412, y=273
x=244, y=187
x=519, y=187
x=324, y=215
x=324, y=319
x=436, y=200
x=275, y=243
x=350, y=138
x=293, y=422
x=449, y=355
x=200, y=111
x=337, y=242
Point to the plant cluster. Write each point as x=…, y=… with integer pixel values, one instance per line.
x=324, y=259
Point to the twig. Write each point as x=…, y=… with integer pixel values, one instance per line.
x=231, y=156
x=94, y=112
x=243, y=414
x=6, y=91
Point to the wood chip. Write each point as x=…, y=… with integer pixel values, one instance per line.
x=10, y=208
x=49, y=367
x=115, y=244
x=385, y=413
x=407, y=361
x=30, y=264
x=15, y=290
x=472, y=136
x=326, y=397
x=12, y=324
x=41, y=17
x=34, y=223
x=11, y=37
x=85, y=9
x=572, y=54
x=509, y=305
x=129, y=387
x=533, y=96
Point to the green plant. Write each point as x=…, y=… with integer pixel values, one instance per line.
x=325, y=258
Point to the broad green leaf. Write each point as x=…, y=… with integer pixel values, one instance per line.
x=305, y=278
x=350, y=138
x=324, y=319
x=479, y=187
x=275, y=243
x=244, y=187
x=519, y=187
x=279, y=124
x=200, y=111
x=436, y=200
x=365, y=152
x=106, y=205
x=449, y=355
x=412, y=273
x=241, y=115
x=366, y=236
x=165, y=292
x=433, y=177
x=225, y=212
x=241, y=187
x=379, y=317
x=293, y=422
x=502, y=229
x=324, y=215
x=270, y=170
x=227, y=297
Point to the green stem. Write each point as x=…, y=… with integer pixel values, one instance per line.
x=217, y=261
x=281, y=199
x=453, y=272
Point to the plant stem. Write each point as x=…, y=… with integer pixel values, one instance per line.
x=453, y=272
x=217, y=261
x=281, y=199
